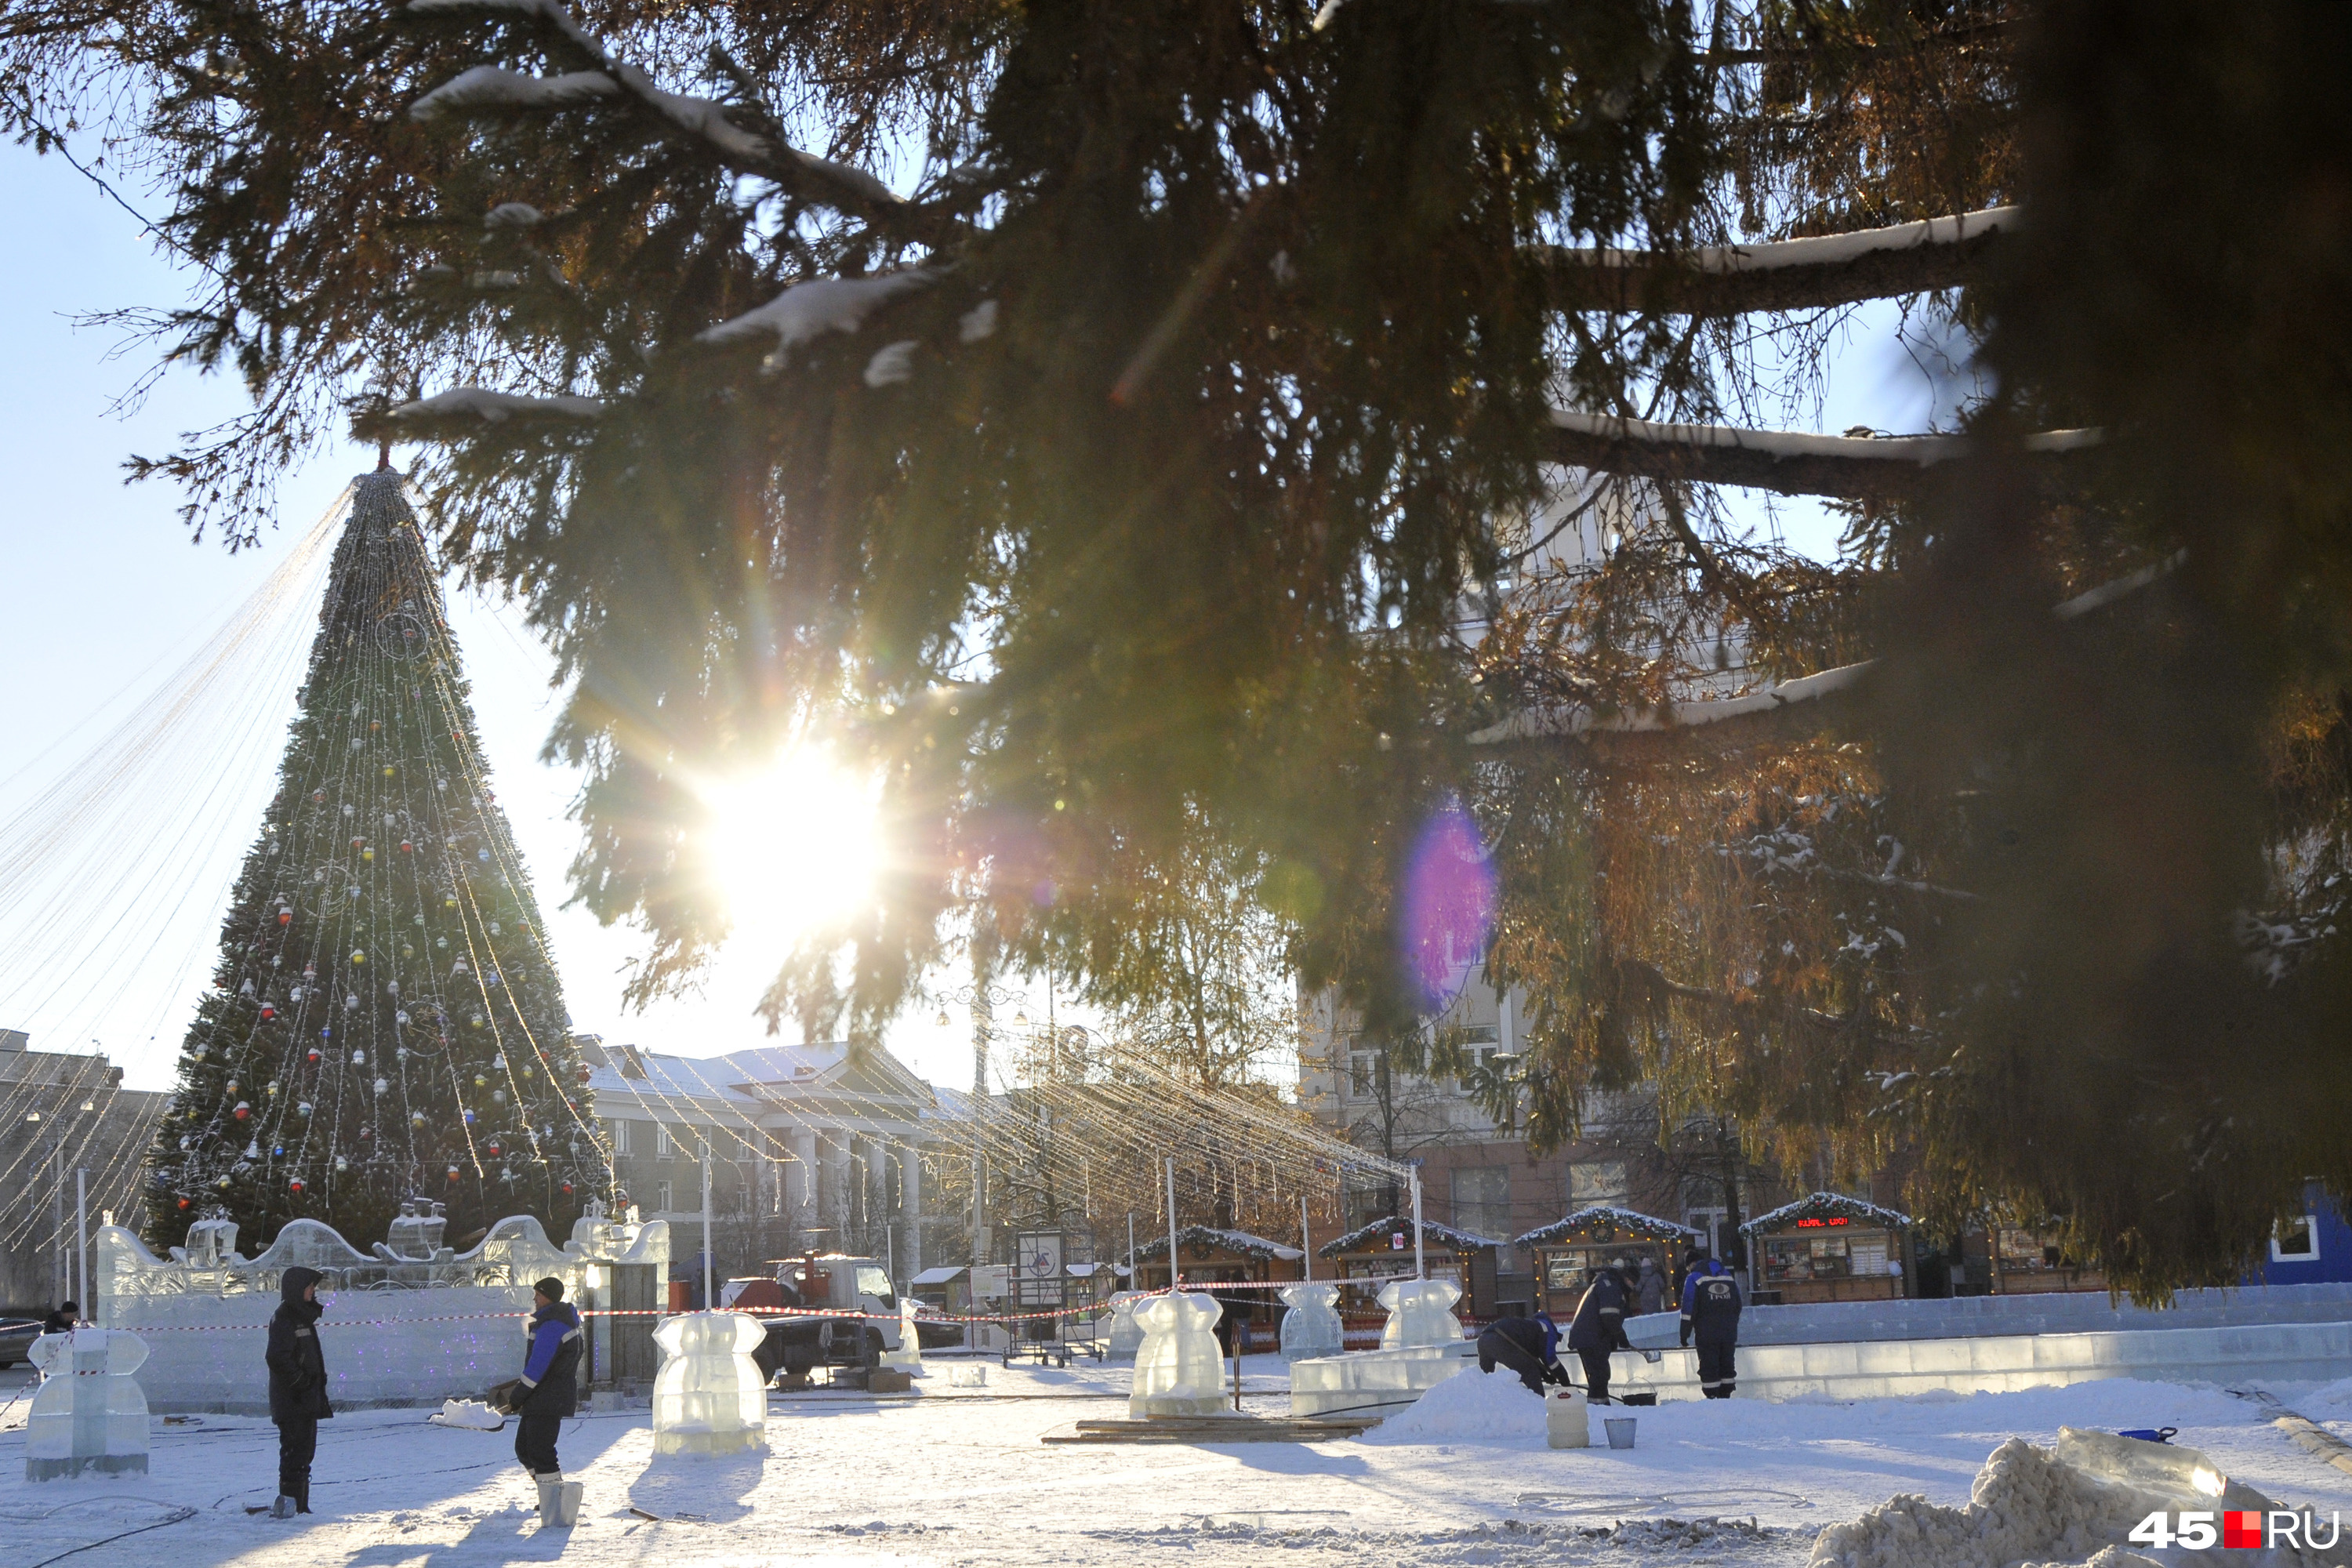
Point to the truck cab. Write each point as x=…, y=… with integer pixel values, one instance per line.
x=860, y=1318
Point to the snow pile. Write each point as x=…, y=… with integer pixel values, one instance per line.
x=823, y=305
x=498, y=407
x=2030, y=1505
x=489, y=87
x=1471, y=1406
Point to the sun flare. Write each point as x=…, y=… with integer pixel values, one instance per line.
x=792, y=849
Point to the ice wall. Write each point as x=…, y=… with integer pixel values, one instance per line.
x=397, y=1329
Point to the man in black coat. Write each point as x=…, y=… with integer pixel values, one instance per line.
x=546, y=1393
x=298, y=1387
x=64, y=1320
x=1528, y=1346
x=1599, y=1328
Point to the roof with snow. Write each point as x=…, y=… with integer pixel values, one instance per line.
x=1606, y=1223
x=1239, y=1241
x=827, y=1077
x=1444, y=1236
x=1825, y=1207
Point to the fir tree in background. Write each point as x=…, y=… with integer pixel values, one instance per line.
x=384, y=1021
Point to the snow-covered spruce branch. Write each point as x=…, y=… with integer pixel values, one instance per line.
x=487, y=89
x=484, y=407
x=1789, y=710
x=1786, y=275
x=1790, y=462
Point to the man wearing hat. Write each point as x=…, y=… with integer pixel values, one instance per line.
x=545, y=1396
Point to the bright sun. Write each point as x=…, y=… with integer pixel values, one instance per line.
x=792, y=848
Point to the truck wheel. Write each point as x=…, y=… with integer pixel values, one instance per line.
x=874, y=1349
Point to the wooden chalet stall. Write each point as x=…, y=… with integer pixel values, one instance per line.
x=1371, y=1255
x=1209, y=1256
x=1569, y=1249
x=2026, y=1261
x=1829, y=1248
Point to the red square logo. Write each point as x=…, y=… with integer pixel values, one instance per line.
x=2241, y=1527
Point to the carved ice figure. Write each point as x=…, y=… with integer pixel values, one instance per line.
x=909, y=1356
x=89, y=1414
x=709, y=1397
x=1180, y=1370
x=1311, y=1327
x=1420, y=1314
x=1126, y=1334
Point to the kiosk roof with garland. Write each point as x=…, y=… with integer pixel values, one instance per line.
x=1828, y=1247
x=1569, y=1249
x=1433, y=1234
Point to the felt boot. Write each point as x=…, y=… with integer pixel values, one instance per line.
x=571, y=1504
x=551, y=1500
x=302, y=1498
x=283, y=1507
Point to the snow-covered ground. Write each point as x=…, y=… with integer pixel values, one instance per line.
x=957, y=1475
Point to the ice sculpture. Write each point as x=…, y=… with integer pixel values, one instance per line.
x=89, y=1414
x=1311, y=1327
x=909, y=1356
x=1126, y=1334
x=709, y=1397
x=1179, y=1370
x=1420, y=1313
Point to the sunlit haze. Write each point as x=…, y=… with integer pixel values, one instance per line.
x=793, y=848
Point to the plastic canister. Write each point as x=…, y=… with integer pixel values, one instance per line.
x=1567, y=1424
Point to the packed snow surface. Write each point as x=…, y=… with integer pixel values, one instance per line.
x=953, y=1475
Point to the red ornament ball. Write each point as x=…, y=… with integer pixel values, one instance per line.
x=296, y=1185
x=183, y=1203
x=314, y=1056
x=267, y=1012
x=406, y=847
x=286, y=917
x=242, y=1111
x=453, y=1173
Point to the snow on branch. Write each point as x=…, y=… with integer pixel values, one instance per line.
x=704, y=119
x=1786, y=275
x=497, y=407
x=807, y=310
x=1791, y=709
x=490, y=87
x=1856, y=467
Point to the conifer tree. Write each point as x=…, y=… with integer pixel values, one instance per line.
x=384, y=1021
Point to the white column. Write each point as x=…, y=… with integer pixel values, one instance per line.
x=802, y=1202
x=911, y=1166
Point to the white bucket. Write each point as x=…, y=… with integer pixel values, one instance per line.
x=1567, y=1421
x=1621, y=1431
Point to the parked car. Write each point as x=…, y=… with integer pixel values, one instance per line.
x=19, y=1326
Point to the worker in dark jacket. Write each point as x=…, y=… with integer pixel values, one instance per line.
x=1528, y=1346
x=549, y=1389
x=64, y=1320
x=1711, y=1317
x=298, y=1387
x=1599, y=1328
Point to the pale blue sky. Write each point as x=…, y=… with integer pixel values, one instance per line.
x=106, y=594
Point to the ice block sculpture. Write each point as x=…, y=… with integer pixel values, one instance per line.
x=1126, y=1334
x=709, y=1397
x=1420, y=1314
x=89, y=1414
x=1179, y=1370
x=909, y=1356
x=1311, y=1327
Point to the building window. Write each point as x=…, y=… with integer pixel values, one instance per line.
x=1363, y=1069
x=1480, y=1042
x=665, y=1142
x=661, y=1197
x=2295, y=1241
x=623, y=1142
x=1591, y=1181
x=1482, y=1200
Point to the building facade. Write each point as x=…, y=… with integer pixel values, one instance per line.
x=808, y=1147
x=63, y=1116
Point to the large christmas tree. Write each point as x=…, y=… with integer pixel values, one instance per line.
x=386, y=1020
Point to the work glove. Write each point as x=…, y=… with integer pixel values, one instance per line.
x=1687, y=1331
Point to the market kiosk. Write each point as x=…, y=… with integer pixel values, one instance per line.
x=1369, y=1256
x=1569, y=1249
x=1829, y=1248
